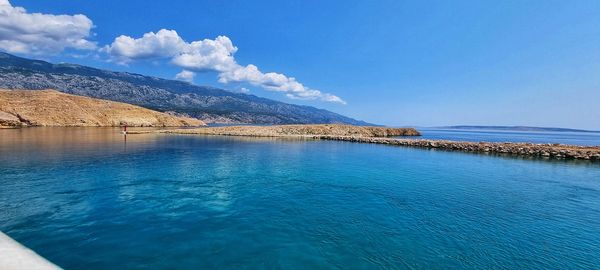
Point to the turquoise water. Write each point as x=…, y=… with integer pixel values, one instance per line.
x=85, y=199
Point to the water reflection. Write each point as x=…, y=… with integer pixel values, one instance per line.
x=86, y=140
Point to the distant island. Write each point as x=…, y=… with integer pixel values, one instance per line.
x=518, y=128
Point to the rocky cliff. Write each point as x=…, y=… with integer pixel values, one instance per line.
x=53, y=108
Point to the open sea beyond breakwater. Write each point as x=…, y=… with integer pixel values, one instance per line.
x=572, y=138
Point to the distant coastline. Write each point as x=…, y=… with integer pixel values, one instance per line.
x=517, y=128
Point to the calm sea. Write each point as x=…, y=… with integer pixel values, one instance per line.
x=574, y=138
x=87, y=199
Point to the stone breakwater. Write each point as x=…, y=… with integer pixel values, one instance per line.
x=549, y=151
x=381, y=135
x=294, y=130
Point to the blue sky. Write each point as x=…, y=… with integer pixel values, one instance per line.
x=423, y=63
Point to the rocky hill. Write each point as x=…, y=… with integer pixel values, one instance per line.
x=210, y=104
x=53, y=108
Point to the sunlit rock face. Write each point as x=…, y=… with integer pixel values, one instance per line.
x=52, y=108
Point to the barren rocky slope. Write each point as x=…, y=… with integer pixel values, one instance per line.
x=53, y=108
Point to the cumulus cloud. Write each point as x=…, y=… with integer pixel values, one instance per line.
x=275, y=82
x=37, y=33
x=186, y=76
x=244, y=90
x=163, y=44
x=209, y=55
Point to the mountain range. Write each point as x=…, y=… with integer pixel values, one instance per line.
x=210, y=104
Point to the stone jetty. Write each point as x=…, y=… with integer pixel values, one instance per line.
x=549, y=151
x=382, y=135
x=294, y=130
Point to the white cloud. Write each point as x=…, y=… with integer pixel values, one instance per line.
x=275, y=82
x=209, y=55
x=162, y=44
x=244, y=90
x=186, y=76
x=37, y=33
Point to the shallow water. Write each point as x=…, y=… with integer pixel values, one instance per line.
x=86, y=199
